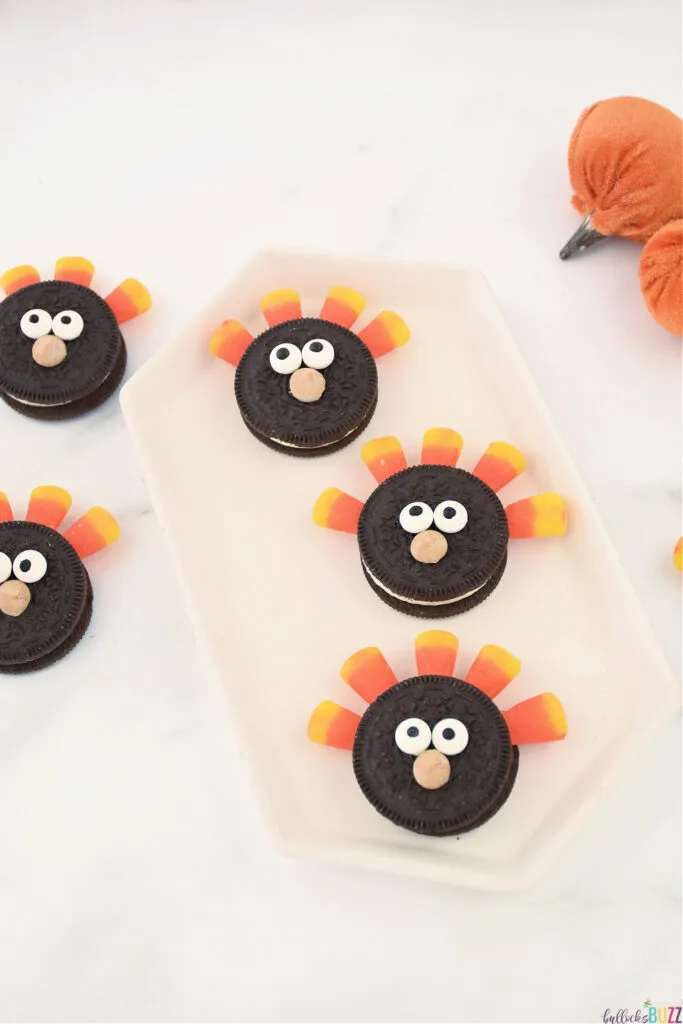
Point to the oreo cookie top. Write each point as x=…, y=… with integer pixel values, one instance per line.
x=43, y=591
x=432, y=534
x=449, y=735
x=273, y=372
x=58, y=342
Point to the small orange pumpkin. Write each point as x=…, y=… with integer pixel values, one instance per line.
x=661, y=276
x=626, y=169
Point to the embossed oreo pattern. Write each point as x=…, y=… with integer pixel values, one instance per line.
x=347, y=403
x=90, y=358
x=481, y=777
x=474, y=553
x=58, y=601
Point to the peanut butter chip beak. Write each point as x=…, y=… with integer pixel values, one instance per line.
x=14, y=597
x=306, y=385
x=429, y=546
x=48, y=350
x=431, y=769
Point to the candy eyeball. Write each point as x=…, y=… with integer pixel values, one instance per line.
x=416, y=517
x=68, y=325
x=450, y=517
x=412, y=736
x=318, y=354
x=35, y=323
x=5, y=567
x=285, y=358
x=30, y=566
x=450, y=736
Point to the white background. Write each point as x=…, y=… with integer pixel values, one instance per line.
x=169, y=141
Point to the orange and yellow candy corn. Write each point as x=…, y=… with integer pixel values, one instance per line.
x=281, y=305
x=342, y=306
x=441, y=447
x=129, y=300
x=333, y=726
x=544, y=515
x=492, y=670
x=500, y=463
x=385, y=333
x=539, y=719
x=230, y=341
x=92, y=532
x=48, y=505
x=384, y=456
x=74, y=269
x=435, y=652
x=18, y=277
x=5, y=509
x=368, y=673
x=337, y=510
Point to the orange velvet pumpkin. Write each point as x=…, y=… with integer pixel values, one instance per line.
x=661, y=276
x=626, y=167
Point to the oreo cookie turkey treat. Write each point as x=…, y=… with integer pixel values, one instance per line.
x=45, y=591
x=433, y=538
x=61, y=350
x=308, y=385
x=433, y=753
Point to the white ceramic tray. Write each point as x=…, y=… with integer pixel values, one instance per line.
x=279, y=603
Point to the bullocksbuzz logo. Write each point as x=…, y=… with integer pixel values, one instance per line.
x=649, y=1013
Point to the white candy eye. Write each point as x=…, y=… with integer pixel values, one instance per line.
x=450, y=516
x=318, y=353
x=5, y=567
x=36, y=323
x=416, y=517
x=450, y=736
x=68, y=325
x=30, y=566
x=412, y=736
x=285, y=358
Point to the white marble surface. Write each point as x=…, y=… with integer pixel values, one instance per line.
x=170, y=141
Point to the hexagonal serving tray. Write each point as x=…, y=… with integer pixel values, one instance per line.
x=279, y=604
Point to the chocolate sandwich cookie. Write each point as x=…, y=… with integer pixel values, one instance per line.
x=61, y=350
x=45, y=591
x=433, y=753
x=433, y=538
x=308, y=385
